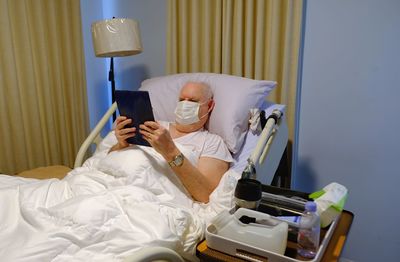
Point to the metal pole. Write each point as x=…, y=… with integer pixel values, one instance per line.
x=112, y=80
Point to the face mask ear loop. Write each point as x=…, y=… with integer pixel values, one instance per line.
x=209, y=110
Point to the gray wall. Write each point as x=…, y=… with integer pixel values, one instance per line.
x=129, y=71
x=349, y=117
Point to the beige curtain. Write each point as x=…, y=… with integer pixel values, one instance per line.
x=257, y=39
x=43, y=104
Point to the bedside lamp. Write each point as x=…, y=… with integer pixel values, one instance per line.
x=114, y=38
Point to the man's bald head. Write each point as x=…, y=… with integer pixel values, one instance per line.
x=196, y=90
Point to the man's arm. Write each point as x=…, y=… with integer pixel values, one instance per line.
x=199, y=181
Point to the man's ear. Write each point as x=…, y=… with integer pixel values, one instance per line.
x=211, y=105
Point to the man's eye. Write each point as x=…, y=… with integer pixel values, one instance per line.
x=191, y=100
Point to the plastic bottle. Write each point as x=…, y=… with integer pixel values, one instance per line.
x=309, y=231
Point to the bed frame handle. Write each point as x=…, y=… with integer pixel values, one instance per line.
x=261, y=150
x=93, y=136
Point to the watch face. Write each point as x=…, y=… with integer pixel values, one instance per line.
x=178, y=160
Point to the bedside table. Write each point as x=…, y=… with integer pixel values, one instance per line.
x=332, y=252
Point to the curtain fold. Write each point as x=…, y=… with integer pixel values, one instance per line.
x=258, y=39
x=43, y=103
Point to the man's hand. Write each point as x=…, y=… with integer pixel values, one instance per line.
x=122, y=133
x=159, y=138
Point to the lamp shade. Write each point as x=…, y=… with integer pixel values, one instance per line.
x=116, y=37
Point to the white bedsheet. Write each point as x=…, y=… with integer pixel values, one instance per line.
x=104, y=211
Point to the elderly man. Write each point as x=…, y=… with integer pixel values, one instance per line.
x=192, y=112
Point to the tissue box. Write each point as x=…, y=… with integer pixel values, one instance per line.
x=330, y=202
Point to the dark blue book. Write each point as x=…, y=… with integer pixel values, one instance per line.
x=135, y=105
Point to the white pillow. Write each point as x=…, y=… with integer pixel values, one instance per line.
x=234, y=97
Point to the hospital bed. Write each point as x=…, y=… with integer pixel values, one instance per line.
x=261, y=151
x=257, y=147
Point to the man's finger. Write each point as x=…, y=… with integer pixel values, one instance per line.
x=128, y=136
x=146, y=128
x=152, y=124
x=127, y=130
x=145, y=132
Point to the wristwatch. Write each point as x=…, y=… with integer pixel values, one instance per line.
x=177, y=161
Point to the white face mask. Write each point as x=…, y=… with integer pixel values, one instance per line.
x=187, y=112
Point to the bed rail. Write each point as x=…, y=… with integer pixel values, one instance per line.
x=271, y=143
x=94, y=136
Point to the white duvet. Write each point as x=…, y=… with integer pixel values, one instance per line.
x=104, y=211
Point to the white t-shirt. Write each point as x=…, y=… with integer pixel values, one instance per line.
x=201, y=143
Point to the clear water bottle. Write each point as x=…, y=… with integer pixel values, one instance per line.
x=309, y=231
